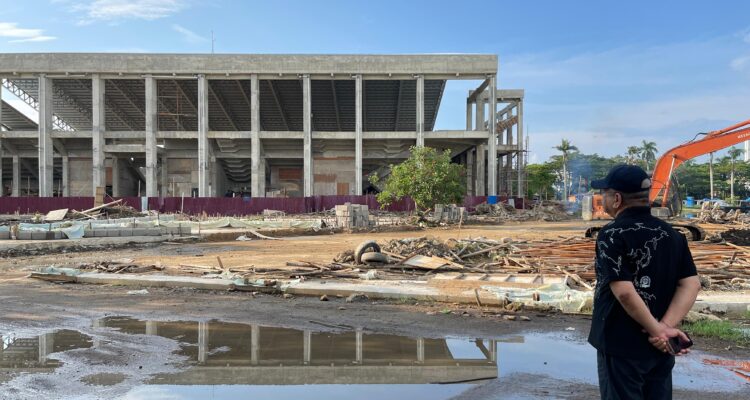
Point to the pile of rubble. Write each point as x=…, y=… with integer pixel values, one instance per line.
x=712, y=213
x=739, y=237
x=542, y=211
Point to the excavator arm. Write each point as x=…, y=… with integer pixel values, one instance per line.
x=661, y=178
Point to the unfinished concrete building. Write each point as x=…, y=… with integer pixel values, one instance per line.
x=206, y=125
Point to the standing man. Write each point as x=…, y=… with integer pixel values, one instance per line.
x=646, y=284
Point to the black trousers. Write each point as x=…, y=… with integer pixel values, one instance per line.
x=627, y=379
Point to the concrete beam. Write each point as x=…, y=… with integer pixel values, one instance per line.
x=152, y=125
x=307, y=140
x=203, y=149
x=478, y=91
x=46, y=148
x=60, y=63
x=124, y=148
x=97, y=132
x=358, y=185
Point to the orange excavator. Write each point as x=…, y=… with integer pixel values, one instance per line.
x=665, y=201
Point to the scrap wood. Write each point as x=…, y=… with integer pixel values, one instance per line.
x=262, y=236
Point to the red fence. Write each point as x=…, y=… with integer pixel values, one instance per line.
x=218, y=205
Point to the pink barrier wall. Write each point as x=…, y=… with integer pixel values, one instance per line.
x=219, y=205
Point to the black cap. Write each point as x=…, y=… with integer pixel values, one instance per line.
x=624, y=178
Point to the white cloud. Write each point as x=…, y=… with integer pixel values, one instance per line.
x=740, y=63
x=115, y=10
x=188, y=35
x=20, y=35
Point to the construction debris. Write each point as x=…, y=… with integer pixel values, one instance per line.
x=541, y=211
x=449, y=213
x=712, y=213
x=350, y=216
x=739, y=237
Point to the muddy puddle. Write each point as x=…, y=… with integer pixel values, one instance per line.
x=123, y=357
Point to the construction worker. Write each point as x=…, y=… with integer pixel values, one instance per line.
x=646, y=284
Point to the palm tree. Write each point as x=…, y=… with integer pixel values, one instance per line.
x=633, y=154
x=565, y=148
x=734, y=154
x=711, y=172
x=648, y=152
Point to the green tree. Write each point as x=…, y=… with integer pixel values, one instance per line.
x=428, y=177
x=541, y=179
x=634, y=153
x=734, y=154
x=648, y=153
x=565, y=147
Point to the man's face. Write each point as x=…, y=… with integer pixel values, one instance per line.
x=612, y=201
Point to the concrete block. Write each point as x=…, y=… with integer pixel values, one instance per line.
x=58, y=235
x=140, y=232
x=126, y=232
x=88, y=233
x=5, y=235
x=113, y=232
x=100, y=233
x=42, y=235
x=23, y=235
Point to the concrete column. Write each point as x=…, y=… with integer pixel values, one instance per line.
x=202, y=342
x=152, y=328
x=479, y=187
x=203, y=156
x=99, y=176
x=152, y=125
x=420, y=350
x=481, y=168
x=46, y=149
x=469, y=115
x=307, y=142
x=262, y=181
x=479, y=116
x=509, y=157
x=470, y=172
x=45, y=344
x=65, y=176
x=493, y=351
x=358, y=136
x=254, y=344
x=359, y=346
x=521, y=155
x=115, y=177
x=16, y=184
x=492, y=141
x=2, y=188
x=307, y=347
x=256, y=161
x=164, y=178
x=420, y=110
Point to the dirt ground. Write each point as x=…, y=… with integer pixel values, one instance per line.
x=33, y=307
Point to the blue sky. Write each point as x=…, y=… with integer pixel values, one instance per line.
x=605, y=75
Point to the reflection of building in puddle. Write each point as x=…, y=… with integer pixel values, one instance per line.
x=235, y=353
x=31, y=354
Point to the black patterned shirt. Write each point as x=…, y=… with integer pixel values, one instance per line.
x=647, y=251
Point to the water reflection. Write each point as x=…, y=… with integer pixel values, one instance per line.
x=30, y=354
x=236, y=353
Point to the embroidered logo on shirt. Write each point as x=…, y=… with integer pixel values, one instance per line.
x=645, y=282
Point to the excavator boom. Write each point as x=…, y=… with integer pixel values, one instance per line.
x=668, y=163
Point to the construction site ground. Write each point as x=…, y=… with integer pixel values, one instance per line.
x=33, y=307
